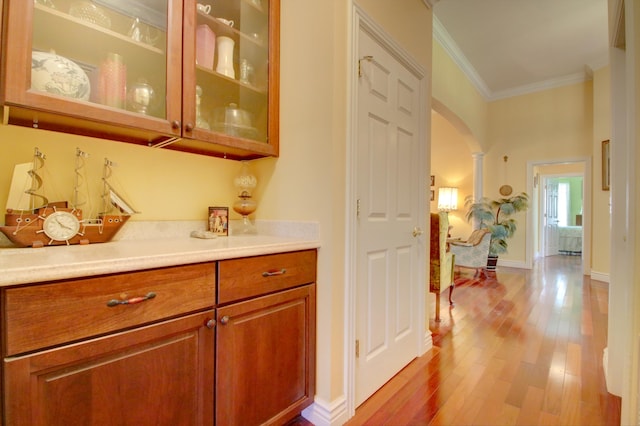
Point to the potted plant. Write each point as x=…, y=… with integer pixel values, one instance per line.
x=496, y=216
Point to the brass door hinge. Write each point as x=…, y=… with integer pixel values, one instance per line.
x=364, y=58
x=357, y=348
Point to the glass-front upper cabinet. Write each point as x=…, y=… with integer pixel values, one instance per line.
x=231, y=75
x=109, y=68
x=199, y=76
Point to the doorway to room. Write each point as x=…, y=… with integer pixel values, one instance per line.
x=559, y=216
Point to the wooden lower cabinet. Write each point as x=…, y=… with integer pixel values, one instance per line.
x=155, y=375
x=265, y=369
x=228, y=343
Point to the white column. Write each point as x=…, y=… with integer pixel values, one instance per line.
x=477, y=175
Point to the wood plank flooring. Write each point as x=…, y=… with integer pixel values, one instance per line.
x=520, y=347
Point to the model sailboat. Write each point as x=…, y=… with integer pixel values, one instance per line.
x=47, y=223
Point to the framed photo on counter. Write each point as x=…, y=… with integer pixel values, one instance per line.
x=219, y=220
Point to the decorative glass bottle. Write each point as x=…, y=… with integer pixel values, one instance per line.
x=245, y=182
x=200, y=121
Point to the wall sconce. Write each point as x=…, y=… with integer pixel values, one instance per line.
x=447, y=199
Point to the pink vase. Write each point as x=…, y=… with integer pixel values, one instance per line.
x=112, y=84
x=205, y=46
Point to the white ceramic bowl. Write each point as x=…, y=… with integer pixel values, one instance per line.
x=58, y=75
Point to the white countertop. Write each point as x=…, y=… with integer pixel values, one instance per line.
x=136, y=251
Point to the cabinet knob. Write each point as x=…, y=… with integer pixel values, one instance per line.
x=224, y=320
x=175, y=125
x=210, y=324
x=189, y=127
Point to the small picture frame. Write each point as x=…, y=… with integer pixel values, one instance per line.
x=433, y=180
x=219, y=220
x=606, y=173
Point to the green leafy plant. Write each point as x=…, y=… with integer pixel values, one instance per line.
x=496, y=216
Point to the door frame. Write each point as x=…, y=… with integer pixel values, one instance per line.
x=533, y=182
x=361, y=21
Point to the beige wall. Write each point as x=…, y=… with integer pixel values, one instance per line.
x=161, y=184
x=455, y=97
x=569, y=122
x=601, y=219
x=545, y=126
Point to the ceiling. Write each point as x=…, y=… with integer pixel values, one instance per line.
x=512, y=47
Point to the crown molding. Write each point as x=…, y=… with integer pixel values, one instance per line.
x=553, y=83
x=430, y=3
x=449, y=45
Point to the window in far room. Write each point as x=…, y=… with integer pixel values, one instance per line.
x=563, y=204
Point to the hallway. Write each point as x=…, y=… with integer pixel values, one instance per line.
x=523, y=347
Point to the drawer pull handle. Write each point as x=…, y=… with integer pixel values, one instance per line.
x=274, y=273
x=115, y=302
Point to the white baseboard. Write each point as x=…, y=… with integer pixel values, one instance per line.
x=512, y=264
x=605, y=366
x=427, y=343
x=600, y=276
x=323, y=413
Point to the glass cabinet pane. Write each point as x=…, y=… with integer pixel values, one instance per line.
x=107, y=52
x=232, y=68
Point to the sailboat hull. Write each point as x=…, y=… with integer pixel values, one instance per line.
x=26, y=229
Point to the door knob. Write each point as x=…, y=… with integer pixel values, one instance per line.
x=417, y=231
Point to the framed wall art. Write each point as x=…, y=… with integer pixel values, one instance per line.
x=606, y=173
x=219, y=220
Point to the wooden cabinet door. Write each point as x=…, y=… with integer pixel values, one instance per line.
x=231, y=110
x=265, y=361
x=107, y=48
x=156, y=375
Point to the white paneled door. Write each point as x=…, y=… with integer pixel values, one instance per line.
x=551, y=237
x=388, y=210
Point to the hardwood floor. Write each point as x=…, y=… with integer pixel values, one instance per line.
x=521, y=347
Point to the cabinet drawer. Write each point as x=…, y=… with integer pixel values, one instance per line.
x=45, y=315
x=249, y=277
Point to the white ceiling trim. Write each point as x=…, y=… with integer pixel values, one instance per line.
x=442, y=36
x=566, y=80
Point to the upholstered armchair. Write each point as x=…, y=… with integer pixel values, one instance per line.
x=441, y=261
x=473, y=253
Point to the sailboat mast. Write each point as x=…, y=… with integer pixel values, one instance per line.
x=106, y=198
x=36, y=181
x=80, y=156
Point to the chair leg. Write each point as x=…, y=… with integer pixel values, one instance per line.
x=451, y=294
x=437, y=307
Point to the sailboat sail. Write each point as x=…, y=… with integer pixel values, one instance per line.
x=120, y=203
x=109, y=195
x=26, y=180
x=20, y=181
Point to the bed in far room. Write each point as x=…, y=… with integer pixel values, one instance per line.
x=570, y=240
